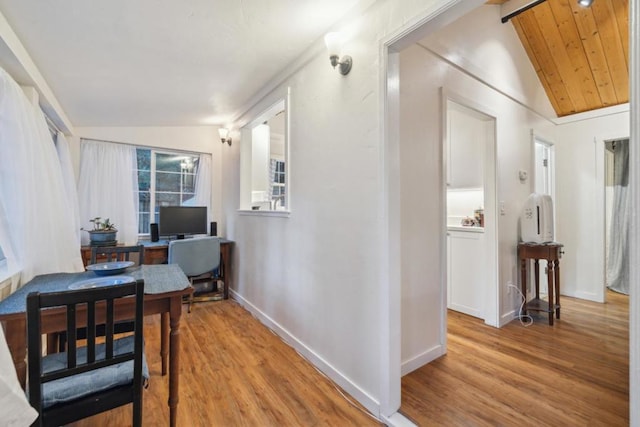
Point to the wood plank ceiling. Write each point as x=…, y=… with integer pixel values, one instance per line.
x=579, y=53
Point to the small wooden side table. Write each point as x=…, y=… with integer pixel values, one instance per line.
x=551, y=252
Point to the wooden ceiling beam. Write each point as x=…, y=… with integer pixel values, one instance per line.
x=621, y=10
x=578, y=73
x=568, y=71
x=544, y=57
x=580, y=54
x=604, y=15
x=594, y=50
x=536, y=65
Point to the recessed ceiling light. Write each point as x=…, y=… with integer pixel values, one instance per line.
x=585, y=3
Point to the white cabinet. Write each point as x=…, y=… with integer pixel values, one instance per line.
x=466, y=272
x=466, y=136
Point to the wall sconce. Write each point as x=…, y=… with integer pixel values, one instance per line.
x=334, y=46
x=585, y=3
x=224, y=135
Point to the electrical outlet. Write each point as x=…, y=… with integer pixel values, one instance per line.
x=509, y=287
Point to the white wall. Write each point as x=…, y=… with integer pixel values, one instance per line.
x=580, y=200
x=204, y=139
x=422, y=74
x=315, y=276
x=260, y=162
x=462, y=203
x=480, y=44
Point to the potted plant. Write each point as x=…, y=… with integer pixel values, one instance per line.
x=103, y=232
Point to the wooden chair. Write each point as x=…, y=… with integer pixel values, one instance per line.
x=66, y=387
x=199, y=258
x=116, y=253
x=108, y=254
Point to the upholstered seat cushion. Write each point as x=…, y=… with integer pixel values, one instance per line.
x=77, y=386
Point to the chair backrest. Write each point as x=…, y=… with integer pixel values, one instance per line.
x=98, y=306
x=195, y=256
x=116, y=253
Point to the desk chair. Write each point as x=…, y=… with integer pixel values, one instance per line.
x=84, y=381
x=199, y=258
x=116, y=253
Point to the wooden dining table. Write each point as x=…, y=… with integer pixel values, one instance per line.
x=165, y=285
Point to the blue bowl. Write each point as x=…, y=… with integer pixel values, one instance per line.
x=109, y=268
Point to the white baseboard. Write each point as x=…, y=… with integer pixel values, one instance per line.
x=372, y=405
x=422, y=359
x=398, y=420
x=508, y=317
x=589, y=296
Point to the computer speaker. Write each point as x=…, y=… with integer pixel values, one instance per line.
x=154, y=232
x=213, y=231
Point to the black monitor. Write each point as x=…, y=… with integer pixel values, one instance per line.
x=181, y=220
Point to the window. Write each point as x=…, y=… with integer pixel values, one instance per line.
x=278, y=183
x=264, y=178
x=165, y=178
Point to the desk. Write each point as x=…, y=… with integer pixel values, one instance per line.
x=158, y=253
x=550, y=252
x=165, y=286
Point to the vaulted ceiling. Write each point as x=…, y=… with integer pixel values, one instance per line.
x=579, y=53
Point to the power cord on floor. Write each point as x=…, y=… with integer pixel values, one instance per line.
x=522, y=317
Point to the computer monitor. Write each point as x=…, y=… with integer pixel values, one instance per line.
x=182, y=220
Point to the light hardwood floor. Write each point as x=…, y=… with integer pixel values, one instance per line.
x=575, y=373
x=235, y=372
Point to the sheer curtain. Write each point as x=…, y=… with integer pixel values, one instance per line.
x=203, y=184
x=618, y=262
x=108, y=187
x=37, y=237
x=64, y=156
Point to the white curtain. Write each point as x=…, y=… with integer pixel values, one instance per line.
x=108, y=187
x=618, y=260
x=203, y=184
x=38, y=237
x=64, y=155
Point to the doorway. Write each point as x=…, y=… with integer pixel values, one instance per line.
x=543, y=182
x=392, y=188
x=617, y=203
x=544, y=167
x=470, y=176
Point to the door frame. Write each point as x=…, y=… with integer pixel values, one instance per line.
x=535, y=138
x=492, y=303
x=600, y=233
x=390, y=306
x=434, y=18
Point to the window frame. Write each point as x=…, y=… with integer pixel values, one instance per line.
x=278, y=179
x=278, y=103
x=154, y=151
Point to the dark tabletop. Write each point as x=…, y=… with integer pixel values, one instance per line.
x=158, y=279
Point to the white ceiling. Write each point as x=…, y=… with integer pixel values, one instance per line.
x=165, y=62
